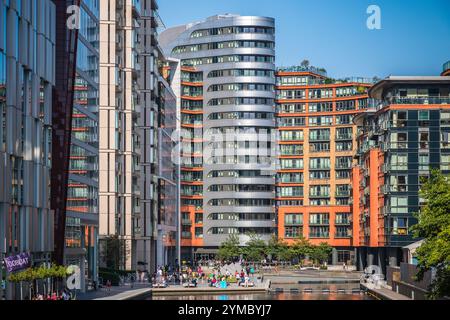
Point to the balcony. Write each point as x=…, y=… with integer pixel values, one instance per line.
x=386, y=189
x=343, y=137
x=293, y=223
x=320, y=195
x=319, y=138
x=320, y=168
x=420, y=100
x=343, y=193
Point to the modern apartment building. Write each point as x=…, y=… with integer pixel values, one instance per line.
x=82, y=200
x=446, y=69
x=132, y=110
x=227, y=108
x=27, y=77
x=399, y=142
x=317, y=142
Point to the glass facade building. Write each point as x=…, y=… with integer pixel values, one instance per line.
x=82, y=199
x=136, y=115
x=399, y=142
x=227, y=103
x=27, y=76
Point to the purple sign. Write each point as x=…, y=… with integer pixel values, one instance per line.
x=18, y=262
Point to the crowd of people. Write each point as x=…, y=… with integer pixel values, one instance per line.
x=64, y=295
x=192, y=276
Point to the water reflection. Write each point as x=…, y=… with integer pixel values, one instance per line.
x=290, y=292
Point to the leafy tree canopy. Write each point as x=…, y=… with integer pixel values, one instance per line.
x=434, y=227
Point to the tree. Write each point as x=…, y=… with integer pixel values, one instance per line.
x=114, y=252
x=375, y=79
x=305, y=63
x=229, y=249
x=301, y=248
x=434, y=226
x=255, y=249
x=278, y=249
x=321, y=253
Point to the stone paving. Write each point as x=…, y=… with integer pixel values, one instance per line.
x=104, y=293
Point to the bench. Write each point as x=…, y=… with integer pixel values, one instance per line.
x=250, y=284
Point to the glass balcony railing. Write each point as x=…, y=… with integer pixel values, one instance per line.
x=446, y=66
x=417, y=100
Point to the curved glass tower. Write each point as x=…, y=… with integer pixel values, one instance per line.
x=232, y=57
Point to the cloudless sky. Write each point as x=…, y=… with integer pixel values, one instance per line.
x=414, y=39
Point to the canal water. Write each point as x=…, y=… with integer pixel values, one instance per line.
x=289, y=292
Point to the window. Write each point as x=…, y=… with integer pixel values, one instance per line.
x=319, y=218
x=344, y=119
x=399, y=119
x=344, y=134
x=291, y=108
x=320, y=107
x=342, y=174
x=342, y=232
x=290, y=191
x=320, y=163
x=343, y=218
x=424, y=138
x=398, y=204
x=293, y=219
x=321, y=121
x=291, y=121
x=291, y=163
x=342, y=190
x=399, y=183
x=319, y=175
x=399, y=161
x=319, y=147
x=345, y=105
x=295, y=177
x=400, y=226
x=399, y=140
x=291, y=149
x=319, y=232
x=293, y=232
x=319, y=191
x=445, y=161
x=343, y=162
x=424, y=161
x=344, y=146
x=445, y=139
x=319, y=135
x=199, y=232
x=424, y=115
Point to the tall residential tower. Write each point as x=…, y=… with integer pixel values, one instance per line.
x=133, y=106
x=227, y=109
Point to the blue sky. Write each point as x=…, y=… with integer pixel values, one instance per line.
x=414, y=39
